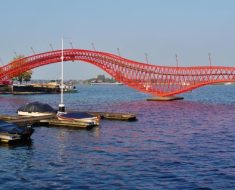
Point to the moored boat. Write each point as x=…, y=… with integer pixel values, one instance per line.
x=36, y=109
x=10, y=132
x=79, y=117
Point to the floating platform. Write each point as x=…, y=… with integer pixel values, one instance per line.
x=10, y=132
x=76, y=124
x=165, y=98
x=48, y=120
x=51, y=120
x=115, y=116
x=7, y=138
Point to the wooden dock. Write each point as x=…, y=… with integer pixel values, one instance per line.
x=6, y=138
x=115, y=116
x=26, y=120
x=51, y=120
x=48, y=120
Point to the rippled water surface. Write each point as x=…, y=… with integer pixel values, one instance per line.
x=187, y=144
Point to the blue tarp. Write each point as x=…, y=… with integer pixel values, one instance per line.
x=77, y=115
x=10, y=128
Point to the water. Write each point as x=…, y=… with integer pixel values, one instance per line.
x=187, y=144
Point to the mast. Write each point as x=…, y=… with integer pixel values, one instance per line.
x=62, y=72
x=61, y=105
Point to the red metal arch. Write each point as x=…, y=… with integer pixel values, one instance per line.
x=152, y=79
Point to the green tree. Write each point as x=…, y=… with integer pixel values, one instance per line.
x=25, y=76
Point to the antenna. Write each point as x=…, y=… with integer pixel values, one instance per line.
x=15, y=53
x=32, y=50
x=209, y=56
x=146, y=58
x=51, y=47
x=71, y=44
x=93, y=46
x=177, y=61
x=118, y=50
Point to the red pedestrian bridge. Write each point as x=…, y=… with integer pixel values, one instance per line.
x=152, y=79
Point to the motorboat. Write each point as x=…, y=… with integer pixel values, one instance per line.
x=79, y=117
x=36, y=109
x=62, y=115
x=10, y=132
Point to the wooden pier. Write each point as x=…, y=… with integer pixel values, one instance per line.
x=115, y=116
x=51, y=120
x=6, y=138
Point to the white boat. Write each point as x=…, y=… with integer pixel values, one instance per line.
x=36, y=109
x=33, y=114
x=72, y=116
x=106, y=83
x=227, y=83
x=79, y=116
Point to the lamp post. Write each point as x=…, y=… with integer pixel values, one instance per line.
x=209, y=56
x=32, y=50
x=146, y=58
x=118, y=50
x=93, y=46
x=51, y=47
x=177, y=60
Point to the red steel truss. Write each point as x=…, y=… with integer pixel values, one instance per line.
x=152, y=79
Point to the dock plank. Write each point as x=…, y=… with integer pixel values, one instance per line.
x=115, y=116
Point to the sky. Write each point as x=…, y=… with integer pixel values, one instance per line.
x=161, y=28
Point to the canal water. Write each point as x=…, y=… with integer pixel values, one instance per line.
x=185, y=144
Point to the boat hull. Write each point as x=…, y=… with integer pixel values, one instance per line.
x=34, y=114
x=10, y=132
x=79, y=117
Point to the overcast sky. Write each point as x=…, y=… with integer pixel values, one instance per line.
x=161, y=28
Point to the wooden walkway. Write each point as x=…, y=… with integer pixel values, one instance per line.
x=51, y=120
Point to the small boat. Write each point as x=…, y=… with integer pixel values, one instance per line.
x=36, y=109
x=79, y=117
x=227, y=83
x=10, y=132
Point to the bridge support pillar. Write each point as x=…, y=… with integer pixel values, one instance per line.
x=165, y=98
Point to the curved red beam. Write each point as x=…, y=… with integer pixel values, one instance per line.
x=152, y=79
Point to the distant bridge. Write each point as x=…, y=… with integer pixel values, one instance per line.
x=152, y=79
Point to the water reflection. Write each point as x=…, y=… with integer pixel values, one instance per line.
x=26, y=143
x=185, y=144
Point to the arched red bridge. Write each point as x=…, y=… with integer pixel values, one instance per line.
x=152, y=79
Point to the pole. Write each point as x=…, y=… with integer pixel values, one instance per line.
x=71, y=44
x=62, y=72
x=1, y=62
x=61, y=105
x=93, y=46
x=177, y=61
x=51, y=47
x=146, y=58
x=209, y=55
x=118, y=50
x=32, y=50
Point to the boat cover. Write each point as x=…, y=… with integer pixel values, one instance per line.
x=36, y=107
x=11, y=128
x=76, y=115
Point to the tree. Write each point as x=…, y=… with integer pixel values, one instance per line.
x=25, y=76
